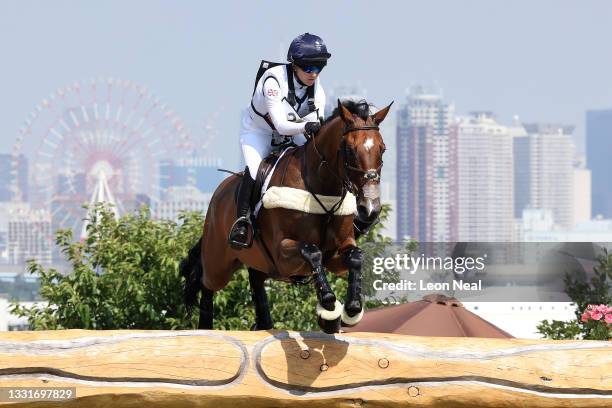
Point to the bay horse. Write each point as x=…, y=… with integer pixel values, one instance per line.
x=341, y=163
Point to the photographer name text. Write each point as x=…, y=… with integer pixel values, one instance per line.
x=408, y=285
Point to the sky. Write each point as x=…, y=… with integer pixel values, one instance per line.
x=546, y=61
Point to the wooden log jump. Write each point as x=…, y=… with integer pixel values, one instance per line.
x=131, y=368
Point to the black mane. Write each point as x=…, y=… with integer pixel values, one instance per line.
x=360, y=108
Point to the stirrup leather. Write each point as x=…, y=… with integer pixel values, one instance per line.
x=238, y=244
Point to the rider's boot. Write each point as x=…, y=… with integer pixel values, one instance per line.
x=239, y=234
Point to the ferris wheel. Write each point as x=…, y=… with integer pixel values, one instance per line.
x=101, y=140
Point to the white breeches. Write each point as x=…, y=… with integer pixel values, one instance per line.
x=255, y=143
x=255, y=147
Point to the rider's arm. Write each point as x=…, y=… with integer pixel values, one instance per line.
x=273, y=98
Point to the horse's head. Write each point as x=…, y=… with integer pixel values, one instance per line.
x=362, y=147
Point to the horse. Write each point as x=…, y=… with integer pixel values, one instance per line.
x=337, y=174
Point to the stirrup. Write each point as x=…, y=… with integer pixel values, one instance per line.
x=238, y=244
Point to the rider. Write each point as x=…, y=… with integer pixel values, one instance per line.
x=287, y=104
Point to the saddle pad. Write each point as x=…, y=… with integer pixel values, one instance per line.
x=302, y=200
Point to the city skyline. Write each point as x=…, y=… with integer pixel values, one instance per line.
x=202, y=169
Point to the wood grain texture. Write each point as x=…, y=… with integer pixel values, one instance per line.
x=277, y=368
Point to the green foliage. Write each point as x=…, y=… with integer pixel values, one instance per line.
x=597, y=291
x=125, y=276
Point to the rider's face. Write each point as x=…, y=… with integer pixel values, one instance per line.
x=306, y=78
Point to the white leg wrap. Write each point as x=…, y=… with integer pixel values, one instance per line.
x=351, y=321
x=330, y=314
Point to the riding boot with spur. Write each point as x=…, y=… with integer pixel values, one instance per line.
x=239, y=234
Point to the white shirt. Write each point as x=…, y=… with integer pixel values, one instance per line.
x=271, y=97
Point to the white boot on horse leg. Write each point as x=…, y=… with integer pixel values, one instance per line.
x=330, y=321
x=349, y=321
x=330, y=314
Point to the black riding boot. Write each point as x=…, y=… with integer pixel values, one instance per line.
x=239, y=235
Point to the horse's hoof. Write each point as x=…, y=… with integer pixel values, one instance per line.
x=328, y=301
x=256, y=327
x=353, y=308
x=350, y=321
x=330, y=326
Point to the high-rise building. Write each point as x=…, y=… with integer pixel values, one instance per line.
x=29, y=236
x=582, y=193
x=484, y=180
x=522, y=169
x=425, y=147
x=180, y=199
x=544, y=171
x=199, y=172
x=599, y=150
x=13, y=175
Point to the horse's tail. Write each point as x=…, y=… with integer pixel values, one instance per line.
x=191, y=269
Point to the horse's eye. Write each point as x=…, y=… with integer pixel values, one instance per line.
x=351, y=156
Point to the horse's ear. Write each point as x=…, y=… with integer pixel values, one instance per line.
x=345, y=114
x=379, y=116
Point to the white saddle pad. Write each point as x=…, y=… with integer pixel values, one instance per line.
x=302, y=200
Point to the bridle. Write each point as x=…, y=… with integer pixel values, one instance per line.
x=347, y=184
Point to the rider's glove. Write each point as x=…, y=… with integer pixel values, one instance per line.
x=312, y=128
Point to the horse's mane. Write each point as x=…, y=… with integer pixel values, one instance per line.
x=360, y=108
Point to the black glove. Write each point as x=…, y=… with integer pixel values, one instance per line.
x=312, y=128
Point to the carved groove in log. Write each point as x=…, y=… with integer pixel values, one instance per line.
x=336, y=342
x=119, y=352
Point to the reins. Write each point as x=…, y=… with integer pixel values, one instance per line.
x=345, y=183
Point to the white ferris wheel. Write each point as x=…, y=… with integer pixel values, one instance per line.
x=97, y=141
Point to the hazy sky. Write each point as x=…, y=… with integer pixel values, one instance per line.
x=542, y=60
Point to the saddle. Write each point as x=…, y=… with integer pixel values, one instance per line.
x=265, y=167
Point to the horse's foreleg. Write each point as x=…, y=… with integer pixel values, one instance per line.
x=263, y=320
x=353, y=306
x=329, y=310
x=206, y=309
x=312, y=254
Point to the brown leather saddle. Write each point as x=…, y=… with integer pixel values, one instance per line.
x=265, y=167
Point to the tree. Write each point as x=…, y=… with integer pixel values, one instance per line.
x=125, y=276
x=597, y=290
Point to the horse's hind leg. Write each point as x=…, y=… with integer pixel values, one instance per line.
x=263, y=320
x=206, y=309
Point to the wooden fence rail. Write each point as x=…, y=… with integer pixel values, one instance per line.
x=130, y=368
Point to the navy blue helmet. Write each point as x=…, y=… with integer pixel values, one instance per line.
x=307, y=48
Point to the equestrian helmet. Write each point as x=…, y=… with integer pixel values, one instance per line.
x=307, y=48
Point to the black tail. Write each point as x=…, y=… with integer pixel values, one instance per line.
x=191, y=269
